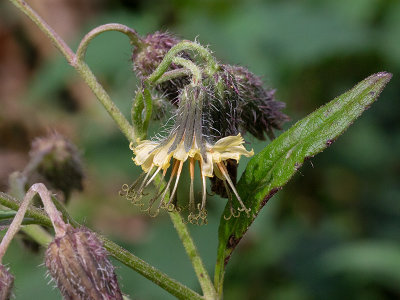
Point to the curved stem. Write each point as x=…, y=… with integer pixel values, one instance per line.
x=51, y=34
x=135, y=39
x=105, y=99
x=148, y=271
x=140, y=121
x=174, y=51
x=191, y=66
x=172, y=75
x=55, y=216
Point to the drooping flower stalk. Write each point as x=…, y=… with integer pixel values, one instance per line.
x=187, y=140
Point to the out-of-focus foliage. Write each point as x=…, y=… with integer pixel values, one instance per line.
x=332, y=232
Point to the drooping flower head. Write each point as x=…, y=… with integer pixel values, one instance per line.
x=189, y=140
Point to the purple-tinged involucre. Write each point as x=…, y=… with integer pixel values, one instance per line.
x=78, y=263
x=258, y=111
x=60, y=165
x=147, y=58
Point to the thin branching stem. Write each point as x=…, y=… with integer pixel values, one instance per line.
x=212, y=65
x=172, y=75
x=172, y=286
x=133, y=36
x=124, y=256
x=55, y=216
x=191, y=66
x=81, y=67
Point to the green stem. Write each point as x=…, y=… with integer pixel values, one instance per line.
x=54, y=215
x=105, y=99
x=51, y=34
x=172, y=75
x=172, y=286
x=80, y=66
x=32, y=212
x=191, y=66
x=120, y=254
x=140, y=120
x=133, y=36
x=174, y=51
x=201, y=272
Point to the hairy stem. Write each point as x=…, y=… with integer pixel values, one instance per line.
x=133, y=36
x=81, y=67
x=174, y=287
x=105, y=99
x=119, y=253
x=43, y=26
x=174, y=51
x=191, y=66
x=172, y=75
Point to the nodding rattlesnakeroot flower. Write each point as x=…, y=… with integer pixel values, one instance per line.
x=188, y=140
x=234, y=102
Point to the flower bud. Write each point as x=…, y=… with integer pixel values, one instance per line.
x=79, y=264
x=258, y=111
x=147, y=58
x=59, y=163
x=6, y=283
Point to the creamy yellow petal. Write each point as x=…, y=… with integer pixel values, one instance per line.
x=180, y=153
x=194, y=153
x=229, y=141
x=143, y=151
x=235, y=153
x=229, y=155
x=161, y=157
x=147, y=164
x=207, y=166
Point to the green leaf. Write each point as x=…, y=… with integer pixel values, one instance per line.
x=268, y=171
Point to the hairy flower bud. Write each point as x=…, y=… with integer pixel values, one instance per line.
x=238, y=103
x=258, y=111
x=79, y=264
x=147, y=58
x=59, y=163
x=6, y=283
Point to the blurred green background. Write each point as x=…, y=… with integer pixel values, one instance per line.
x=332, y=233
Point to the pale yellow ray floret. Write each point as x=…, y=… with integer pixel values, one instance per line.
x=152, y=155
